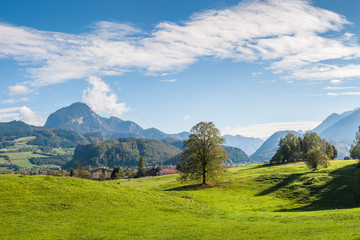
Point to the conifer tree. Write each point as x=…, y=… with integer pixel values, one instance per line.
x=141, y=167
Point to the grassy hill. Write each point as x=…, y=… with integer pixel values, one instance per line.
x=256, y=202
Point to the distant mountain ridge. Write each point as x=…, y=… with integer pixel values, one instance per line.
x=248, y=144
x=340, y=130
x=80, y=118
x=45, y=136
x=269, y=147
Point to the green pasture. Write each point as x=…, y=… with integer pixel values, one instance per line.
x=254, y=202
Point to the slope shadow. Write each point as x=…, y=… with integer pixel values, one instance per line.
x=342, y=191
x=283, y=182
x=191, y=187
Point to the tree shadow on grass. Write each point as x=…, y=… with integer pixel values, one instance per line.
x=282, y=182
x=341, y=192
x=191, y=187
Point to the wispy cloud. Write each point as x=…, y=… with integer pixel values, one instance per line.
x=256, y=73
x=168, y=80
x=291, y=35
x=24, y=114
x=332, y=94
x=101, y=99
x=15, y=100
x=267, y=129
x=186, y=117
x=337, y=88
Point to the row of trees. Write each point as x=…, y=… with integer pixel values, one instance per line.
x=310, y=148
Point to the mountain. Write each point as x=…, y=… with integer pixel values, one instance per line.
x=236, y=155
x=44, y=136
x=124, y=152
x=80, y=118
x=331, y=120
x=248, y=144
x=344, y=129
x=340, y=130
x=269, y=147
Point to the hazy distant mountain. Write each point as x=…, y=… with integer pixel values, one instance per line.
x=269, y=147
x=248, y=144
x=340, y=130
x=331, y=120
x=80, y=118
x=345, y=128
x=236, y=155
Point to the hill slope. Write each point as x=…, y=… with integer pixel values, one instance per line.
x=44, y=136
x=257, y=202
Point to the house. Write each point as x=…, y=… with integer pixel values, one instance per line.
x=101, y=173
x=165, y=172
x=152, y=172
x=157, y=172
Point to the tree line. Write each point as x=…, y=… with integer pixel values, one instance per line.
x=310, y=148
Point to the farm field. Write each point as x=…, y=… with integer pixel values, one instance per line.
x=20, y=153
x=255, y=202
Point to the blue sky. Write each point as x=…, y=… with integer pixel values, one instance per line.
x=251, y=67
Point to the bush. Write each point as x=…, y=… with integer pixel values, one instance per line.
x=315, y=158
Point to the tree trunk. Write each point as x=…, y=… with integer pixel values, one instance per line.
x=204, y=174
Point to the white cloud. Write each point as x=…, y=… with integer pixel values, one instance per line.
x=24, y=114
x=18, y=90
x=168, y=80
x=15, y=100
x=335, y=81
x=101, y=99
x=289, y=34
x=265, y=130
x=186, y=117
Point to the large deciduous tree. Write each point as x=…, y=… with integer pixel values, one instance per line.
x=203, y=157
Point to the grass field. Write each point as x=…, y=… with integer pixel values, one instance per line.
x=21, y=158
x=255, y=202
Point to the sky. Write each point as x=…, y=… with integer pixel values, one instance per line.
x=251, y=67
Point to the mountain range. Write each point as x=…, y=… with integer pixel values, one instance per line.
x=78, y=124
x=79, y=117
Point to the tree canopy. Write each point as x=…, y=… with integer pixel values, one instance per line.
x=203, y=157
x=311, y=149
x=355, y=148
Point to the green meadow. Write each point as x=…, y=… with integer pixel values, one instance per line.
x=253, y=202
